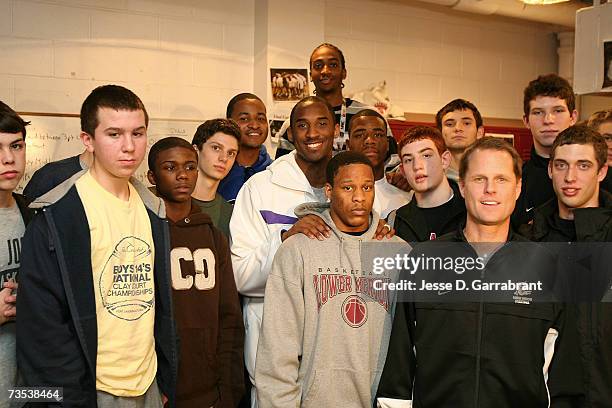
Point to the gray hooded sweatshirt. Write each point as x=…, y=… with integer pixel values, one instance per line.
x=325, y=329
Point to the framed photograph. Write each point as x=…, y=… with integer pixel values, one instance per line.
x=275, y=127
x=289, y=84
x=607, y=73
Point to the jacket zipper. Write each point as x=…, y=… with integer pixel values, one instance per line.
x=479, y=348
x=167, y=266
x=594, y=321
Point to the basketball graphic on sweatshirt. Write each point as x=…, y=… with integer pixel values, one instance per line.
x=354, y=311
x=126, y=283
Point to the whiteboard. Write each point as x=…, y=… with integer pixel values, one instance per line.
x=52, y=138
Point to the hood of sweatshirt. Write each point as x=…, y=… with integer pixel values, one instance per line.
x=195, y=218
x=366, y=245
x=152, y=202
x=286, y=173
x=323, y=210
x=263, y=160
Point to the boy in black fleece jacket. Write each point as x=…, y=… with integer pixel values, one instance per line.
x=206, y=306
x=579, y=218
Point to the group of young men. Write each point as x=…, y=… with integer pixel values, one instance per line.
x=129, y=296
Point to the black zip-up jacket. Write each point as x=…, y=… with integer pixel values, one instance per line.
x=410, y=224
x=57, y=327
x=536, y=189
x=480, y=354
x=594, y=319
x=22, y=204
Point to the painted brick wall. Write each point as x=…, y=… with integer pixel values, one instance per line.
x=430, y=57
x=184, y=58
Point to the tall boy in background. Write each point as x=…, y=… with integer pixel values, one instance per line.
x=549, y=107
x=327, y=73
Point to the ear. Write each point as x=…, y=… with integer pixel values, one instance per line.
x=526, y=121
x=87, y=140
x=343, y=73
x=519, y=187
x=195, y=147
x=402, y=171
x=461, y=188
x=446, y=157
x=550, y=169
x=348, y=143
x=480, y=132
x=328, y=190
x=601, y=174
x=151, y=177
x=336, y=130
x=574, y=117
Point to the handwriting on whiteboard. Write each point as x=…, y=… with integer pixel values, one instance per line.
x=51, y=138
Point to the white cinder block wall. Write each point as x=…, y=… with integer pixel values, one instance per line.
x=429, y=58
x=184, y=58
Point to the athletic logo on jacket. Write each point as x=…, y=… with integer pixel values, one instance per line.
x=360, y=288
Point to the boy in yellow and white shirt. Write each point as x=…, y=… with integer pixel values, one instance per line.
x=95, y=282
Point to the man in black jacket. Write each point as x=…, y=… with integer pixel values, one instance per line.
x=582, y=212
x=516, y=352
x=549, y=107
x=95, y=314
x=437, y=206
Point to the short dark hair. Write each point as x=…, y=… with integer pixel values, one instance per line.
x=458, y=105
x=344, y=159
x=5, y=108
x=582, y=135
x=240, y=97
x=367, y=113
x=212, y=126
x=10, y=121
x=108, y=96
x=416, y=133
x=599, y=117
x=549, y=85
x=333, y=47
x=495, y=144
x=311, y=100
x=165, y=144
